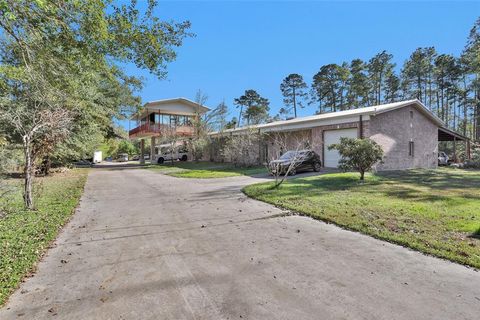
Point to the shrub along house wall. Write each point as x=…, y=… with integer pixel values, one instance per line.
x=406, y=132
x=236, y=148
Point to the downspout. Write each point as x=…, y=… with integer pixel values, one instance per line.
x=361, y=127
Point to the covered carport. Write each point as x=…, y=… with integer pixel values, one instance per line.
x=445, y=134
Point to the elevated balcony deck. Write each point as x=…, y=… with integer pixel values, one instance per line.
x=160, y=130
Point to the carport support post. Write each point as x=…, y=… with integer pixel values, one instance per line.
x=467, y=147
x=152, y=150
x=454, y=149
x=142, y=151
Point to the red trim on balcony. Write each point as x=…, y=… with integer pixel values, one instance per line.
x=156, y=129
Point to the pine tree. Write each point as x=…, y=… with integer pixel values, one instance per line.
x=392, y=88
x=430, y=55
x=379, y=67
x=358, y=86
x=257, y=107
x=329, y=86
x=232, y=124
x=472, y=59
x=414, y=74
x=446, y=74
x=293, y=91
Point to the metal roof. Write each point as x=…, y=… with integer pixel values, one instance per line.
x=156, y=103
x=316, y=120
x=179, y=99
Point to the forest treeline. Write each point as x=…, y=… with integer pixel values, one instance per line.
x=448, y=85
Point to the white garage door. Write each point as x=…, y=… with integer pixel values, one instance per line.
x=331, y=137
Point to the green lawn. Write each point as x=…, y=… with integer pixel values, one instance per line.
x=433, y=211
x=205, y=170
x=25, y=235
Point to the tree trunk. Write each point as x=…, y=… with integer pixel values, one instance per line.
x=362, y=175
x=294, y=103
x=239, y=116
x=380, y=89
x=430, y=105
x=465, y=106
x=454, y=112
x=29, y=174
x=477, y=121
x=419, y=84
x=47, y=164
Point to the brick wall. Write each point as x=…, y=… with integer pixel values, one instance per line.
x=276, y=144
x=395, y=129
x=317, y=133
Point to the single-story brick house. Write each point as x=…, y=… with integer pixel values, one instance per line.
x=407, y=131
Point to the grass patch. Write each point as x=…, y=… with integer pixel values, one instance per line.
x=25, y=235
x=205, y=170
x=432, y=211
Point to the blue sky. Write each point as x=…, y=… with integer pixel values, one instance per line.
x=253, y=45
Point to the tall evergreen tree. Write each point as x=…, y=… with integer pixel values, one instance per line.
x=472, y=59
x=446, y=75
x=430, y=55
x=392, y=88
x=232, y=124
x=379, y=68
x=329, y=87
x=293, y=91
x=257, y=107
x=358, y=86
x=414, y=74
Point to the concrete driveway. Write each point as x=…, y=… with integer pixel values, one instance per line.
x=147, y=246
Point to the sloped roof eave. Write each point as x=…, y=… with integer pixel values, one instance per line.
x=421, y=106
x=367, y=111
x=189, y=102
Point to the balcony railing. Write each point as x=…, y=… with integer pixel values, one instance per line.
x=156, y=129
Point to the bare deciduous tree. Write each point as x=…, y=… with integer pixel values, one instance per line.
x=242, y=148
x=172, y=139
x=39, y=119
x=287, y=153
x=40, y=130
x=5, y=188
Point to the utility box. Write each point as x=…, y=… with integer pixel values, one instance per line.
x=97, y=157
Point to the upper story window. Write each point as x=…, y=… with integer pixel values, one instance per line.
x=184, y=121
x=167, y=119
x=411, y=114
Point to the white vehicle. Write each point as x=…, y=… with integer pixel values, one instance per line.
x=97, y=157
x=122, y=157
x=443, y=159
x=166, y=154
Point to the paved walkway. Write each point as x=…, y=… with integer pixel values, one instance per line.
x=147, y=246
